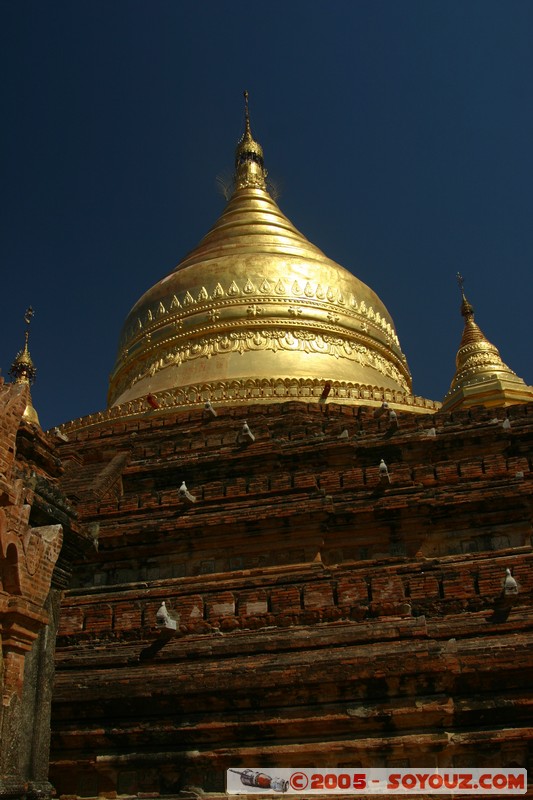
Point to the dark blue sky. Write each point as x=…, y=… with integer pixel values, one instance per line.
x=401, y=134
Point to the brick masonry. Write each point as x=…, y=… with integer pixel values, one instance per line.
x=33, y=520
x=324, y=615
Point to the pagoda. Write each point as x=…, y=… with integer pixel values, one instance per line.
x=290, y=560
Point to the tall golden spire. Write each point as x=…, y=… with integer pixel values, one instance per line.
x=249, y=164
x=481, y=377
x=23, y=369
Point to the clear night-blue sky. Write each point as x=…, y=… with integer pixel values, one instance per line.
x=401, y=134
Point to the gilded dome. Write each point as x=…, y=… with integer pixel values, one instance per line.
x=253, y=305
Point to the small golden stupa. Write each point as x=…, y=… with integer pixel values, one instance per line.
x=23, y=370
x=256, y=313
x=481, y=377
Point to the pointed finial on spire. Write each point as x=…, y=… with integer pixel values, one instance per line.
x=247, y=129
x=23, y=369
x=28, y=316
x=249, y=164
x=467, y=310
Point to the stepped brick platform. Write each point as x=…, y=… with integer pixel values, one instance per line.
x=326, y=615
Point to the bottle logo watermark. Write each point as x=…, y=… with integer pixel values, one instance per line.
x=412, y=781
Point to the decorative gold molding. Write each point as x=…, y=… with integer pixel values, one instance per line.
x=241, y=340
x=154, y=315
x=250, y=391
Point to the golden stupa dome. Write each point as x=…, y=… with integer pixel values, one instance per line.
x=257, y=313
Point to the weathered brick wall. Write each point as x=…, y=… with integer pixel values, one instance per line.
x=456, y=584
x=325, y=615
x=27, y=554
x=31, y=538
